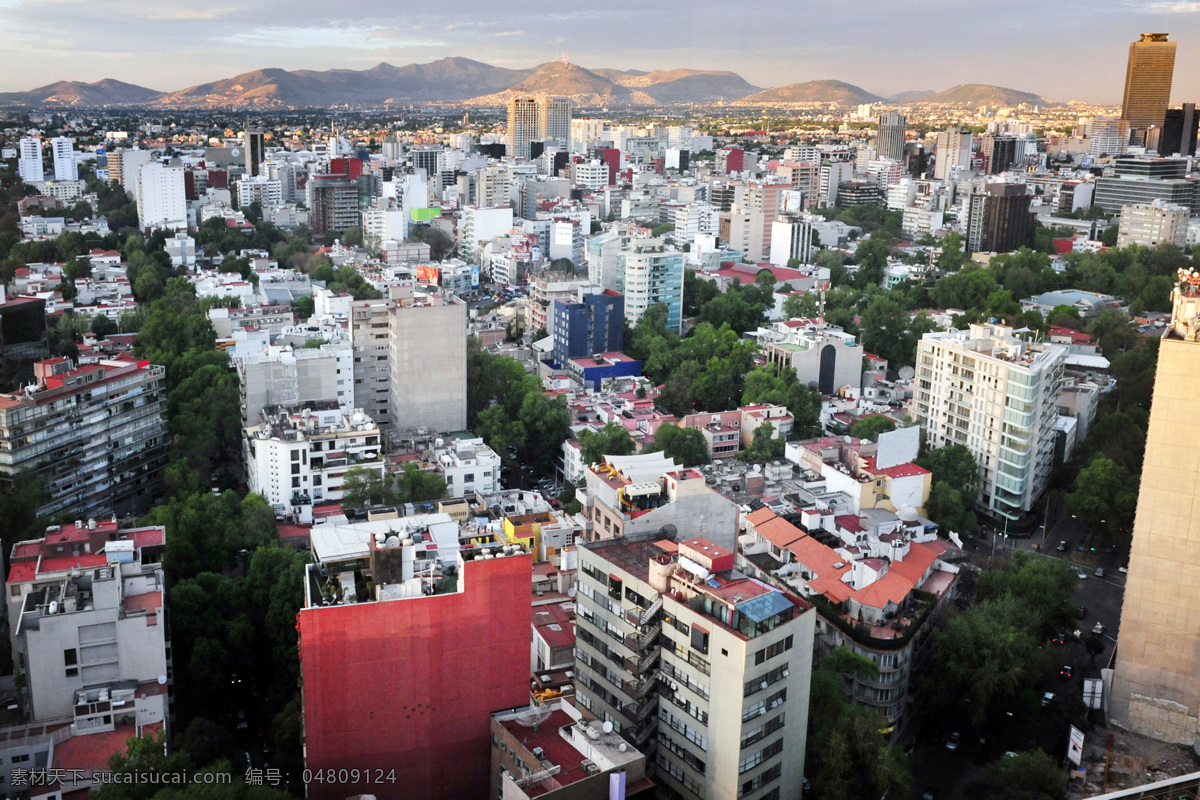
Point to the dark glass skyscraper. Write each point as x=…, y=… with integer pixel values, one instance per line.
x=1179, y=131
x=1148, y=82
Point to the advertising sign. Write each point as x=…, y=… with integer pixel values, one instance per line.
x=474, y=276
x=1075, y=748
x=428, y=275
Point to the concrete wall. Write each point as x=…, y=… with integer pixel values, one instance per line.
x=429, y=367
x=1156, y=685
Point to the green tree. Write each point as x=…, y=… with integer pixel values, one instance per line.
x=1105, y=497
x=19, y=503
x=611, y=440
x=416, y=485
x=362, y=487
x=885, y=331
x=947, y=508
x=1031, y=775
x=870, y=427
x=766, y=445
x=850, y=759
x=686, y=445
x=954, y=465
x=801, y=304
x=953, y=255
x=986, y=661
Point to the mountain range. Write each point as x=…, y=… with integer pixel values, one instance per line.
x=464, y=81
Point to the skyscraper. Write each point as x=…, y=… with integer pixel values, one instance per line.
x=522, y=125
x=254, y=143
x=65, y=168
x=1148, y=82
x=953, y=150
x=890, y=141
x=1179, y=131
x=30, y=163
x=554, y=120
x=999, y=219
x=1156, y=685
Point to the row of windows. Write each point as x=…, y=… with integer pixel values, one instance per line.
x=754, y=759
x=772, y=650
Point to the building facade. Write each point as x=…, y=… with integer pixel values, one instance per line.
x=160, y=198
x=96, y=433
x=999, y=219
x=403, y=681
x=1156, y=684
x=890, y=141
x=1148, y=81
x=86, y=615
x=997, y=395
x=648, y=273
x=1152, y=224
x=593, y=323
x=692, y=660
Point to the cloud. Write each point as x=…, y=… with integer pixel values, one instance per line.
x=373, y=37
x=1173, y=8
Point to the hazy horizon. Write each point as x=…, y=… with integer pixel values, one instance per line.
x=1066, y=51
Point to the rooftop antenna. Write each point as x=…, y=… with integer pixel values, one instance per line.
x=565, y=60
x=821, y=308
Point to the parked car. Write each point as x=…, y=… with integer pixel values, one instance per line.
x=1082, y=575
x=1059, y=638
x=953, y=742
x=1047, y=698
x=1062, y=546
x=930, y=794
x=1082, y=612
x=1099, y=572
x=1099, y=628
x=1066, y=672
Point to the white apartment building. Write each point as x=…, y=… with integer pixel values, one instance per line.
x=1109, y=136
x=1154, y=223
x=584, y=131
x=468, y=465
x=690, y=658
x=477, y=225
x=590, y=174
x=917, y=222
x=259, y=189
x=791, y=237
x=182, y=250
x=131, y=163
x=428, y=360
x=953, y=151
x=29, y=159
x=554, y=120
x=160, y=198
x=298, y=456
x=295, y=376
x=647, y=273
x=65, y=166
x=88, y=629
x=690, y=220
x=997, y=395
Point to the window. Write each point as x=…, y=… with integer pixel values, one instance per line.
x=316, y=480
x=70, y=657
x=772, y=650
x=699, y=639
x=295, y=469
x=15, y=590
x=295, y=455
x=614, y=587
x=295, y=483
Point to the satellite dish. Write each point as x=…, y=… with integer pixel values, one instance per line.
x=571, y=592
x=162, y=680
x=906, y=373
x=235, y=152
x=533, y=716
x=608, y=726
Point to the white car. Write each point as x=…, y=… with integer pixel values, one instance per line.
x=1082, y=575
x=1047, y=698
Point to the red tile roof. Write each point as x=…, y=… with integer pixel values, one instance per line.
x=65, y=563
x=22, y=571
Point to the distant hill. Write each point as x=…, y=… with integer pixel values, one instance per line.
x=449, y=80
x=685, y=85
x=74, y=93
x=980, y=94
x=813, y=92
x=910, y=96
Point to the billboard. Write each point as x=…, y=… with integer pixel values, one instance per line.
x=1075, y=748
x=474, y=276
x=791, y=201
x=898, y=447
x=429, y=275
x=424, y=214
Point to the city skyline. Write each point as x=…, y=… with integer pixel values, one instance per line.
x=176, y=45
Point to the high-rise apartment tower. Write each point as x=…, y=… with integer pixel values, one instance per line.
x=1148, y=81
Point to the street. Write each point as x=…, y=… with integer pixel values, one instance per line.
x=950, y=772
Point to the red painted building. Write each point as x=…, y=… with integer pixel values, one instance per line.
x=404, y=689
x=612, y=157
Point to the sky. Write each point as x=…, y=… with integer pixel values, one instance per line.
x=1065, y=50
